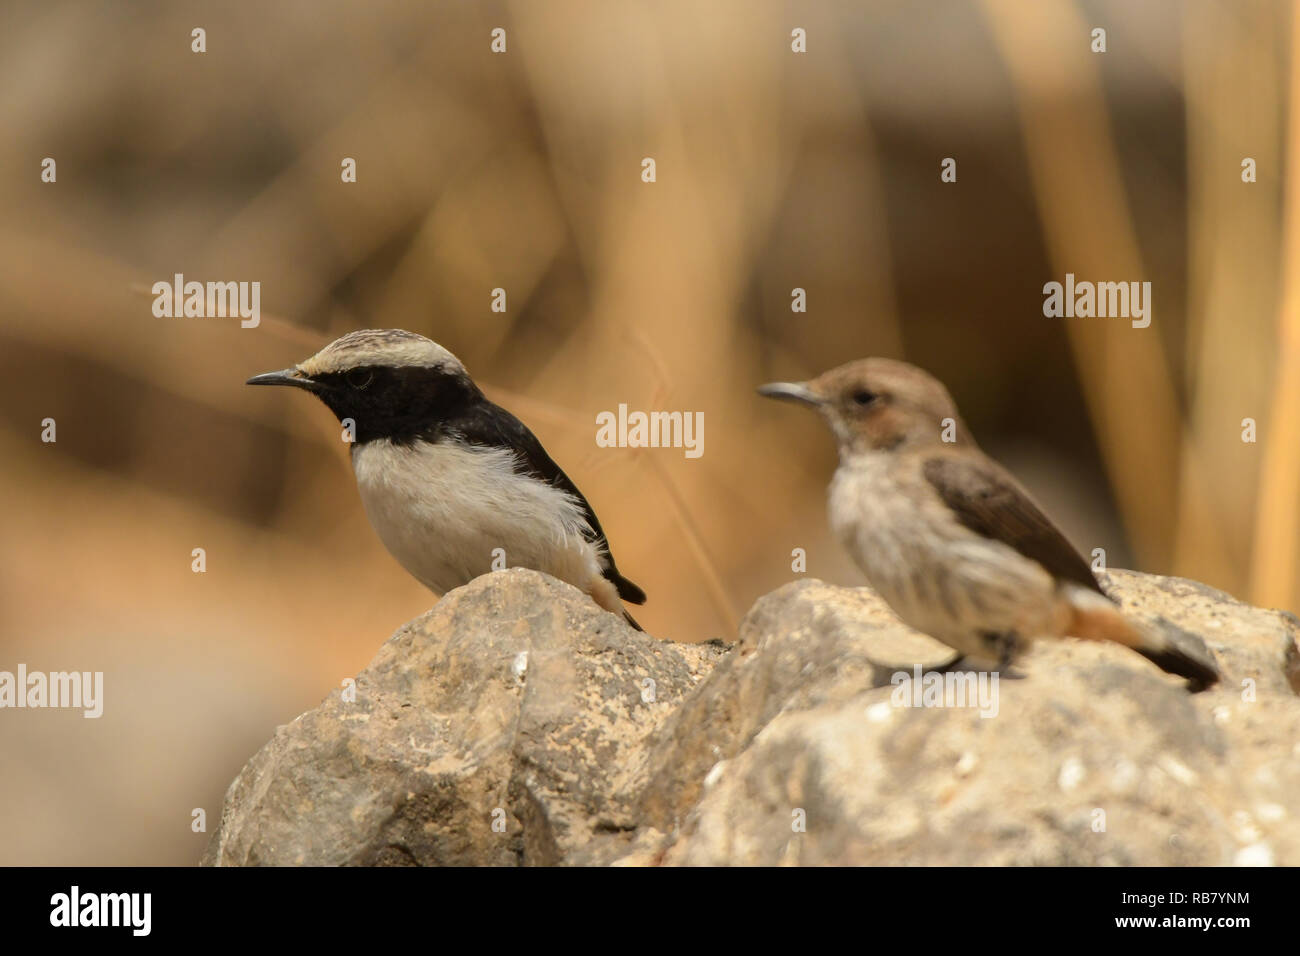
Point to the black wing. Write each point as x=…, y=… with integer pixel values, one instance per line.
x=991, y=503
x=488, y=424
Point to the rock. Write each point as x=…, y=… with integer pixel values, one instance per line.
x=502, y=727
x=1094, y=756
x=791, y=747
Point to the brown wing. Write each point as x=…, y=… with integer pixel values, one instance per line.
x=990, y=502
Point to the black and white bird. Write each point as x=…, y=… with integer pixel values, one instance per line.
x=447, y=477
x=950, y=540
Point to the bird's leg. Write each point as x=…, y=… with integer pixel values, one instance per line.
x=1004, y=646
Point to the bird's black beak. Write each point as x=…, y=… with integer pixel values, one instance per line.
x=286, y=376
x=791, y=392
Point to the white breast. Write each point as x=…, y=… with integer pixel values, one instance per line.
x=443, y=510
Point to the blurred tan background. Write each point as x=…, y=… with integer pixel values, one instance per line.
x=775, y=170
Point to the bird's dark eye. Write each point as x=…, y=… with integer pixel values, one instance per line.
x=360, y=377
x=863, y=398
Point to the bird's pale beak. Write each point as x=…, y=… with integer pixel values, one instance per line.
x=286, y=376
x=791, y=392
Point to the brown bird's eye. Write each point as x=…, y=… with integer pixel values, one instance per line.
x=360, y=377
x=863, y=398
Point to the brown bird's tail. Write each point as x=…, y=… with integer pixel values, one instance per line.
x=1096, y=618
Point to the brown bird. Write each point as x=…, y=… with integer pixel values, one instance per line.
x=946, y=536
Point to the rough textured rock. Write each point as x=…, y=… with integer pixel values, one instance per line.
x=516, y=701
x=1089, y=736
x=787, y=748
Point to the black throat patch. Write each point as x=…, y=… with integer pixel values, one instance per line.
x=401, y=404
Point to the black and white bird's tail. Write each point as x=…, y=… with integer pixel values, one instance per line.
x=1096, y=618
x=627, y=591
x=611, y=589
